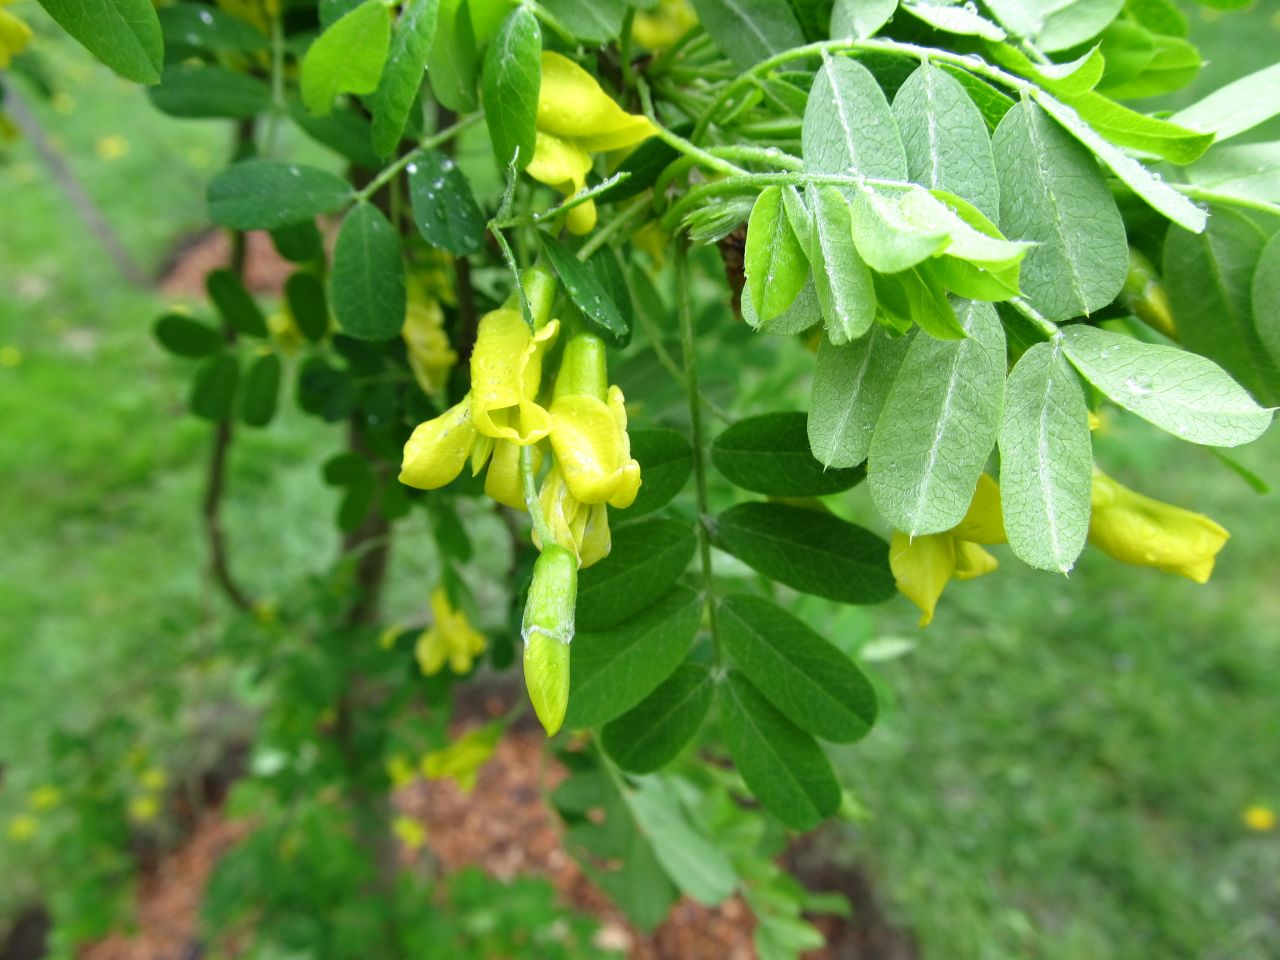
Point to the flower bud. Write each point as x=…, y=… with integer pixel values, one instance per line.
x=547, y=631
x=1145, y=296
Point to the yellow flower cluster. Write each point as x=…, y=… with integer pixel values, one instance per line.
x=24, y=826
x=449, y=640
x=431, y=357
x=667, y=22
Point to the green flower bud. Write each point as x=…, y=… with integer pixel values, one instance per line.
x=583, y=368
x=547, y=631
x=1145, y=296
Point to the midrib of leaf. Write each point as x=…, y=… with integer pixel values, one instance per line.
x=839, y=104
x=667, y=714
x=1051, y=195
x=755, y=728
x=931, y=129
x=804, y=546
x=1042, y=460
x=848, y=411
x=751, y=24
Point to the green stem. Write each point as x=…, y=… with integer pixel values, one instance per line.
x=531, y=497
x=389, y=173
x=695, y=436
x=745, y=183
x=624, y=49
x=601, y=236
x=1038, y=320
x=679, y=143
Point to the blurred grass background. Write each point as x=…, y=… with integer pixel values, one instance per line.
x=1062, y=767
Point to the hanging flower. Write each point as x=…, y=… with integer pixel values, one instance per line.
x=576, y=119
x=923, y=566
x=462, y=759
x=506, y=374
x=579, y=527
x=438, y=449
x=667, y=22
x=1132, y=528
x=430, y=355
x=450, y=639
x=409, y=832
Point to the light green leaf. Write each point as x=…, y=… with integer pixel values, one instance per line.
x=770, y=454
x=840, y=277
x=1180, y=392
x=963, y=20
x=946, y=139
x=808, y=550
x=206, y=91
x=123, y=34
x=1237, y=107
x=782, y=765
x=774, y=261
x=1052, y=192
x=1266, y=299
x=1209, y=278
x=817, y=687
x=1046, y=460
x=646, y=559
x=1054, y=24
x=613, y=669
x=1246, y=171
x=1174, y=64
x=916, y=297
x=887, y=235
x=347, y=57
x=402, y=76
x=858, y=19
x=1128, y=48
x=698, y=867
x=749, y=30
x=444, y=208
x=803, y=313
x=367, y=286
x=848, y=127
x=453, y=62
x=511, y=81
x=653, y=733
x=850, y=384
x=939, y=425
x=1137, y=131
x=1066, y=80
x=593, y=21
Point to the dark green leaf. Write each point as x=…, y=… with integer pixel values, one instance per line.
x=298, y=242
x=817, y=687
x=770, y=454
x=203, y=91
x=264, y=194
x=123, y=34
x=235, y=304
x=402, y=75
x=213, y=390
x=344, y=131
x=186, y=337
x=749, y=30
x=613, y=669
x=261, y=391
x=347, y=58
x=511, y=80
x=653, y=733
x=1266, y=299
x=666, y=460
x=781, y=764
x=204, y=27
x=593, y=21
x=304, y=293
x=642, y=167
x=326, y=391
x=808, y=550
x=605, y=265
x=444, y=208
x=646, y=559
x=366, y=287
x=602, y=314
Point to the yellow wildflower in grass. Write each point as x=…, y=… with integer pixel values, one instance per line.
x=144, y=807
x=662, y=26
x=1258, y=818
x=1136, y=529
x=923, y=567
x=111, y=147
x=430, y=355
x=576, y=118
x=14, y=36
x=409, y=832
x=462, y=759
x=23, y=827
x=450, y=639
x=44, y=798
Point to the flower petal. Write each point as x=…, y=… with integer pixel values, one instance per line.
x=984, y=521
x=506, y=373
x=438, y=449
x=592, y=451
x=572, y=106
x=922, y=568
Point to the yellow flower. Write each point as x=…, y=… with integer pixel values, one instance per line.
x=14, y=37
x=1259, y=818
x=23, y=827
x=664, y=24
x=153, y=779
x=1132, y=528
x=44, y=798
x=438, y=449
x=144, y=807
x=430, y=355
x=450, y=639
x=579, y=527
x=463, y=758
x=924, y=566
x=503, y=481
x=284, y=329
x=576, y=119
x=401, y=771
x=111, y=147
x=409, y=832
x=506, y=374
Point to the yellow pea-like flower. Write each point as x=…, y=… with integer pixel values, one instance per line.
x=430, y=355
x=450, y=639
x=462, y=759
x=401, y=771
x=1133, y=528
x=662, y=26
x=503, y=481
x=14, y=37
x=506, y=374
x=44, y=798
x=23, y=827
x=409, y=832
x=922, y=567
x=580, y=527
x=438, y=448
x=576, y=118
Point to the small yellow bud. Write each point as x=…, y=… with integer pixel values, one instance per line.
x=409, y=832
x=1259, y=818
x=547, y=630
x=23, y=827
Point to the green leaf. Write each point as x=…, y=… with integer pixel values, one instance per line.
x=700, y=868
x=1046, y=460
x=1054, y=25
x=646, y=559
x=841, y=278
x=1052, y=192
x=774, y=261
x=888, y=238
x=1066, y=80
x=1174, y=64
x=803, y=313
x=1208, y=278
x=235, y=304
x=914, y=296
x=511, y=81
x=770, y=454
x=213, y=391
x=185, y=337
x=808, y=550
x=206, y=28
x=749, y=30
x=602, y=314
x=850, y=385
x=1266, y=299
x=666, y=460
x=859, y=19
x=298, y=242
x=304, y=295
x=1237, y=107
x=453, y=62
x=265, y=194
x=347, y=58
x=782, y=765
x=652, y=734
x=1247, y=171
x=344, y=131
x=817, y=687
x=848, y=126
x=402, y=75
x=123, y=34
x=939, y=425
x=946, y=139
x=963, y=20
x=366, y=287
x=444, y=208
x=204, y=91
x=593, y=21
x=613, y=669
x=1180, y=392
x=1137, y=131
x=261, y=391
